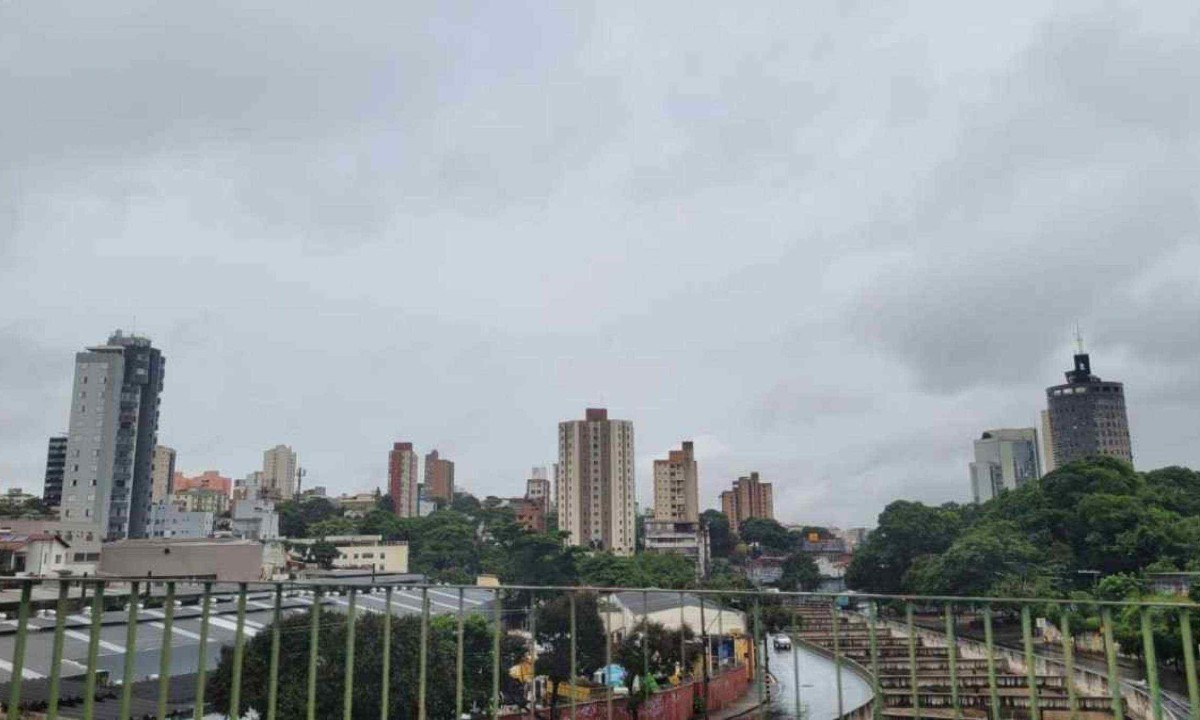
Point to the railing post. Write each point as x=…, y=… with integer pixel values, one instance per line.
x=682, y=643
x=912, y=661
x=239, y=649
x=837, y=655
x=760, y=680
x=873, y=645
x=273, y=663
x=348, y=684
x=164, y=651
x=422, y=714
x=952, y=656
x=989, y=640
x=1035, y=712
x=314, y=639
x=1110, y=656
x=496, y=630
x=1068, y=650
x=130, y=652
x=202, y=659
x=60, y=626
x=608, y=692
x=18, y=658
x=705, y=661
x=385, y=688
x=796, y=663
x=1151, y=663
x=532, y=657
x=645, y=636
x=458, y=660
x=89, y=691
x=1189, y=662
x=574, y=657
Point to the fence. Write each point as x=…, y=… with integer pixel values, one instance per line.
x=358, y=648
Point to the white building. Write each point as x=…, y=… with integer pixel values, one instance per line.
x=279, y=472
x=597, y=492
x=369, y=553
x=623, y=611
x=32, y=555
x=168, y=520
x=255, y=519
x=678, y=538
x=1005, y=459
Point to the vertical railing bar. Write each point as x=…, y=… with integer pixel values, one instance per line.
x=385, y=689
x=532, y=657
x=1110, y=656
x=796, y=662
x=239, y=650
x=682, y=643
x=348, y=685
x=574, y=656
x=760, y=680
x=18, y=658
x=458, y=658
x=89, y=696
x=202, y=659
x=60, y=626
x=164, y=650
x=952, y=656
x=1030, y=665
x=876, y=690
x=1068, y=650
x=645, y=637
x=912, y=661
x=1189, y=662
x=273, y=666
x=990, y=643
x=837, y=655
x=423, y=669
x=130, y=652
x=608, y=691
x=496, y=620
x=314, y=639
x=1151, y=664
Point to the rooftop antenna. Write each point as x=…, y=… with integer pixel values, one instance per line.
x=1078, y=339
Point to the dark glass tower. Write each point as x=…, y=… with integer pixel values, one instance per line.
x=56, y=462
x=1087, y=416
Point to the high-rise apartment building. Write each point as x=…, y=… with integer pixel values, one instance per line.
x=676, y=494
x=113, y=431
x=56, y=462
x=1087, y=416
x=749, y=498
x=1005, y=459
x=537, y=489
x=596, y=488
x=279, y=472
x=162, y=473
x=439, y=477
x=402, y=479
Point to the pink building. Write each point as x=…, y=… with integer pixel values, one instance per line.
x=207, y=480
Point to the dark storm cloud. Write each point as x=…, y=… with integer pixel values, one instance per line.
x=830, y=242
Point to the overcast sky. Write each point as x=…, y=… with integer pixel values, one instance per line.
x=831, y=242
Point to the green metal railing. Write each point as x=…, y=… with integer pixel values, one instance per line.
x=915, y=654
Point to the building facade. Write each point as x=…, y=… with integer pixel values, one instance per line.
x=56, y=463
x=207, y=480
x=439, y=478
x=168, y=520
x=537, y=489
x=255, y=519
x=1005, y=459
x=597, y=491
x=1087, y=416
x=249, y=487
x=676, y=481
x=162, y=473
x=403, y=479
x=113, y=431
x=200, y=499
x=678, y=537
x=1046, y=443
x=749, y=498
x=279, y=473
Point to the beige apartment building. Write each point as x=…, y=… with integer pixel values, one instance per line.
x=279, y=472
x=676, y=496
x=162, y=473
x=749, y=498
x=597, y=492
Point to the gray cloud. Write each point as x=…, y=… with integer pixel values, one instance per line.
x=830, y=242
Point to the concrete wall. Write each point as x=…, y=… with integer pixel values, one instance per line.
x=222, y=560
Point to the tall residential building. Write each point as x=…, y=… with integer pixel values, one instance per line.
x=162, y=473
x=1005, y=459
x=279, y=472
x=402, y=479
x=537, y=489
x=676, y=496
x=749, y=498
x=1087, y=416
x=113, y=431
x=56, y=462
x=1046, y=443
x=439, y=477
x=207, y=480
x=597, y=493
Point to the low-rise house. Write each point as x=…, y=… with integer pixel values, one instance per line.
x=34, y=555
x=369, y=553
x=255, y=519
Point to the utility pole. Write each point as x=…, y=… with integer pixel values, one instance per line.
x=300, y=473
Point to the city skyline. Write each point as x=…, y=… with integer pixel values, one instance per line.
x=828, y=259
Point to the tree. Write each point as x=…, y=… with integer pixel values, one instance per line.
x=650, y=653
x=554, y=636
x=906, y=531
x=973, y=563
x=323, y=554
x=333, y=526
x=721, y=540
x=645, y=570
x=800, y=573
x=768, y=534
